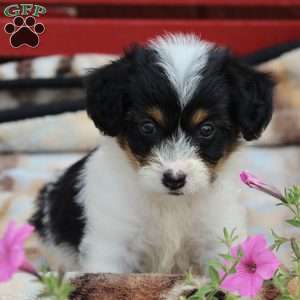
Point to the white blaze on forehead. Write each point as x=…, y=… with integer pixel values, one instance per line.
x=183, y=57
x=177, y=148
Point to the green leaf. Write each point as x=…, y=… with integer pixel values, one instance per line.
x=214, y=275
x=232, y=234
x=240, y=252
x=226, y=256
x=275, y=235
x=215, y=263
x=55, y=287
x=292, y=195
x=201, y=293
x=226, y=234
x=188, y=277
x=295, y=248
x=294, y=222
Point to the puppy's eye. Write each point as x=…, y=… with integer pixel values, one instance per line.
x=206, y=130
x=147, y=128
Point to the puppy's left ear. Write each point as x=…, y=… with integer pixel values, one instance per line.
x=251, y=93
x=107, y=99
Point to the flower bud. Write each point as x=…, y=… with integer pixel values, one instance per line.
x=253, y=182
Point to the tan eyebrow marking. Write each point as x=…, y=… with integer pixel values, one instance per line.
x=156, y=114
x=199, y=116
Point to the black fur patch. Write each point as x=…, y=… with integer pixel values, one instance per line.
x=66, y=220
x=252, y=98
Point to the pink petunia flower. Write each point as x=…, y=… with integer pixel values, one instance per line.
x=257, y=264
x=12, y=256
x=253, y=182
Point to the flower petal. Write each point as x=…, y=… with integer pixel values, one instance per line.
x=245, y=284
x=255, y=244
x=251, y=246
x=12, y=249
x=252, y=287
x=27, y=267
x=6, y=271
x=231, y=283
x=22, y=233
x=248, y=280
x=16, y=257
x=266, y=264
x=250, y=179
x=9, y=233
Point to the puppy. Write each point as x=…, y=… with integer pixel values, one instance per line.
x=156, y=194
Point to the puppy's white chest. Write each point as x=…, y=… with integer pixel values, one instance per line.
x=165, y=241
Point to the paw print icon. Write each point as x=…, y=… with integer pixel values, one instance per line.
x=24, y=31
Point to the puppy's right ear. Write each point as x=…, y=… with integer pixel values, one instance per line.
x=107, y=99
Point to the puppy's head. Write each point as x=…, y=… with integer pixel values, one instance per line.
x=178, y=107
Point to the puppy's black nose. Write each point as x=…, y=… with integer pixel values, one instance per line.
x=173, y=181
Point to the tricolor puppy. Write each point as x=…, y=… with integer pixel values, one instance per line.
x=156, y=194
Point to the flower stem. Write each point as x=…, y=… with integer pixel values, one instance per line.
x=272, y=192
x=27, y=267
x=230, y=269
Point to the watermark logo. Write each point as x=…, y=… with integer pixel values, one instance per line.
x=24, y=29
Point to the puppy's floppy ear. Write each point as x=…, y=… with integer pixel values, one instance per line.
x=252, y=94
x=107, y=96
